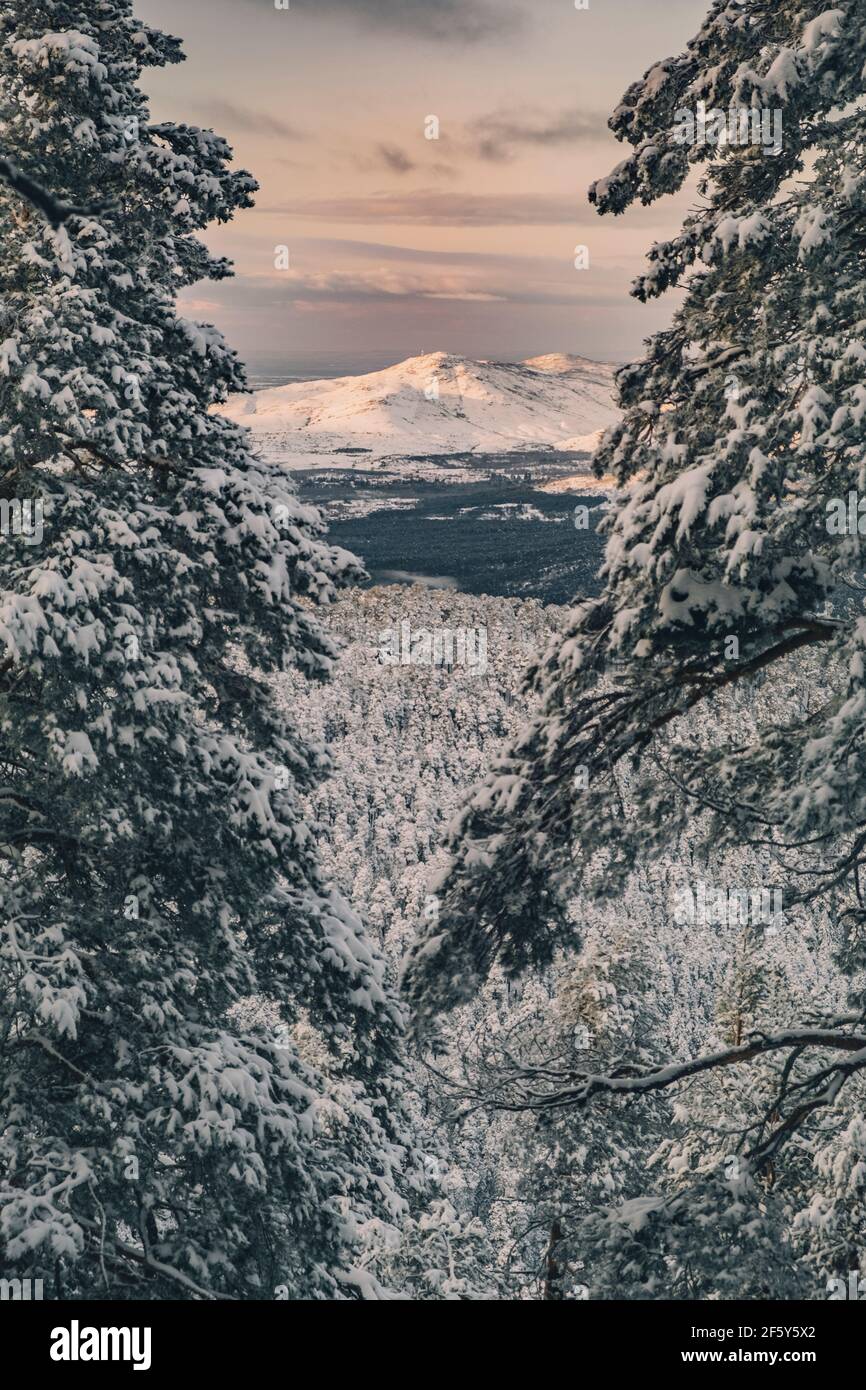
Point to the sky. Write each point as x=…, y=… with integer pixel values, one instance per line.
x=398, y=243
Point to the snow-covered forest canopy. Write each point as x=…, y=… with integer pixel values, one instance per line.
x=394, y=942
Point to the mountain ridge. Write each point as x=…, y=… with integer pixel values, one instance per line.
x=437, y=403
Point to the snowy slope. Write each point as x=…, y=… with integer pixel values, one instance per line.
x=435, y=404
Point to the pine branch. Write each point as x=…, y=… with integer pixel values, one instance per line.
x=538, y=1090
x=177, y=1276
x=53, y=209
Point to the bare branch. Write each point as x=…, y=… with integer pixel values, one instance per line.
x=576, y=1089
x=53, y=209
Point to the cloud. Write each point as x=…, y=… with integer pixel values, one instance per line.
x=468, y=296
x=442, y=21
x=432, y=208
x=427, y=208
x=343, y=247
x=395, y=159
x=498, y=136
x=241, y=118
x=381, y=283
x=329, y=288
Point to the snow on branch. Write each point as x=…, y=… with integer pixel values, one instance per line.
x=544, y=1089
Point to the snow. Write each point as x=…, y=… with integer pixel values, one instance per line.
x=579, y=484
x=582, y=443
x=435, y=404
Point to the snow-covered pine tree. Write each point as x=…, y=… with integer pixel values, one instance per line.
x=741, y=446
x=156, y=871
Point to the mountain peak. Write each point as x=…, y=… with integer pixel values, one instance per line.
x=433, y=358
x=436, y=403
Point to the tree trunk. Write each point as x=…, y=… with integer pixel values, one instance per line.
x=552, y=1269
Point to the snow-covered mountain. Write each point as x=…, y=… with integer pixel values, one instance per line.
x=434, y=404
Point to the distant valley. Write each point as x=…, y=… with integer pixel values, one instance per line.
x=449, y=472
